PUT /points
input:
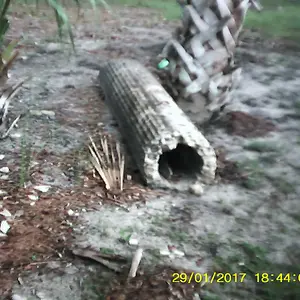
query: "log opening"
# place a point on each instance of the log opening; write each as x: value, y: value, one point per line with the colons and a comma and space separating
x: 181, y: 162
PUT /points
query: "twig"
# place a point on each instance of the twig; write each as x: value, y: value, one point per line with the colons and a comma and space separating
x: 5, y: 135
x: 107, y: 159
x: 96, y: 164
x: 93, y: 255
x: 110, y: 163
x: 44, y: 262
x: 135, y: 262
x: 121, y: 160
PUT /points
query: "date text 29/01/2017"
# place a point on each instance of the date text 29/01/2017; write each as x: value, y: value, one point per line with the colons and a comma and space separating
x: 218, y: 277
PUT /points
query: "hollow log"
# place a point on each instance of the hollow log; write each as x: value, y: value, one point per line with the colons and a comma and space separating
x: 166, y: 146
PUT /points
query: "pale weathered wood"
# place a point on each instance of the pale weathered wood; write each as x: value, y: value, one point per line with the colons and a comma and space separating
x: 152, y: 123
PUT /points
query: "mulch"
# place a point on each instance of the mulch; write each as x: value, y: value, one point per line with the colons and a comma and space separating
x: 245, y: 125
x: 240, y: 124
x: 227, y: 170
x: 44, y: 231
x: 160, y: 284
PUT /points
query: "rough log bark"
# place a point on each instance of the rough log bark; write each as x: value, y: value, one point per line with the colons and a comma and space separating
x: 166, y: 146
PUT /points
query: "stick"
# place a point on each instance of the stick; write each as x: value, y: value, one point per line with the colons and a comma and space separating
x: 10, y: 128
x: 97, y: 165
x: 135, y: 262
x: 96, y: 257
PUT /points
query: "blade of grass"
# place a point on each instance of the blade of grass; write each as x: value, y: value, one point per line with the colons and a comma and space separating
x: 4, y: 9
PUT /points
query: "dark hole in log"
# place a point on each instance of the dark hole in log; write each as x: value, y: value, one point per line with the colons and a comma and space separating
x: 181, y: 162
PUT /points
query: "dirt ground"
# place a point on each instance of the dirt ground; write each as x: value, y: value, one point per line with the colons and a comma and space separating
x: 253, y: 205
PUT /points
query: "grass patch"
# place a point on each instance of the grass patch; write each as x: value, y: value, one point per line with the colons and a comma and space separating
x: 260, y: 146
x: 96, y: 284
x: 178, y: 236
x: 107, y: 251
x: 159, y: 220
x: 285, y: 12
x: 297, y: 107
x: 269, y: 280
x: 295, y: 216
x: 126, y: 233
x: 278, y: 19
x: 283, y: 186
x: 270, y: 158
x: 253, y: 172
x: 169, y: 8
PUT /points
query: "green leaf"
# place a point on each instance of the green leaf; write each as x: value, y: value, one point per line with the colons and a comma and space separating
x: 4, y: 9
x: 104, y: 3
x: 71, y: 37
x: 93, y: 4
x: 4, y: 23
x: 8, y: 51
x: 59, y: 10
x: 61, y: 20
x: 60, y: 24
x: 78, y: 7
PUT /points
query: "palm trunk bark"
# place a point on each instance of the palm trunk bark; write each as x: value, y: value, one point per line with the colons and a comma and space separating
x: 166, y: 146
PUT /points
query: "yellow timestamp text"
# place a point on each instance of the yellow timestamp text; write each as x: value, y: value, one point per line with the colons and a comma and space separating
x: 215, y: 277
x: 277, y: 277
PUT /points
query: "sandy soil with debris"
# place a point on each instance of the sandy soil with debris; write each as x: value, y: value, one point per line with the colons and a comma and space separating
x: 257, y: 207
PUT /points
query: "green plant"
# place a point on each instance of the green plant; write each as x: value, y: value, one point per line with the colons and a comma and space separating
x: 178, y: 236
x: 107, y: 251
x: 283, y: 185
x: 126, y: 233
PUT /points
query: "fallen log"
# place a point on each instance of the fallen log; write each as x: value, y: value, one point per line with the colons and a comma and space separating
x: 166, y: 146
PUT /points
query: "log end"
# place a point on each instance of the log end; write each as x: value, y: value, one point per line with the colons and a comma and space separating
x: 181, y: 165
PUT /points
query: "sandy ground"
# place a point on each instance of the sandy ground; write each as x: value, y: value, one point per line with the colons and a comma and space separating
x: 208, y: 229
